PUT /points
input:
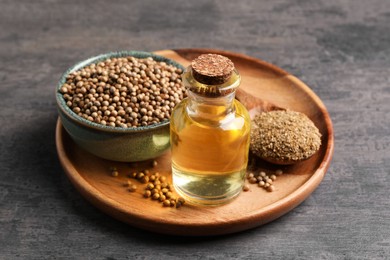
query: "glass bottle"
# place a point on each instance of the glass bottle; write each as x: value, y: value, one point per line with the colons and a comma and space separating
x: 210, y: 133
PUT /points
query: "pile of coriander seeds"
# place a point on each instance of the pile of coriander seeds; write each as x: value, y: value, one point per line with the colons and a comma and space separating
x: 156, y: 186
x: 264, y: 180
x: 124, y: 92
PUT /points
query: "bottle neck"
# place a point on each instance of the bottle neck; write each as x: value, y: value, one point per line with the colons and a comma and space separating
x: 213, y: 103
x: 211, y: 108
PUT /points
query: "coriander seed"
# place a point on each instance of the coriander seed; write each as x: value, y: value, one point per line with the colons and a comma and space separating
x: 278, y: 172
x: 147, y: 193
x: 162, y: 198
x: 150, y: 186
x: 166, y: 203
x: 169, y: 195
x: 132, y: 187
x: 144, y: 179
x: 271, y: 188
x: 155, y: 196
x: 155, y: 163
x: 140, y: 175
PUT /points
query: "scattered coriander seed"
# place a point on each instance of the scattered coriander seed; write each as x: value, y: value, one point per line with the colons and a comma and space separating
x: 132, y: 187
x: 262, y: 174
x: 144, y: 179
x: 181, y: 200
x: 156, y: 188
x: 155, y: 196
x: 162, y: 198
x: 149, y: 186
x: 250, y: 175
x: 115, y: 173
x: 154, y: 163
x: 140, y: 175
x: 166, y: 203
x: 271, y: 188
x: 147, y: 193
x: 245, y: 187
x: 252, y: 180
x: 278, y: 172
x: 261, y: 184
x: 273, y: 177
x: 169, y: 195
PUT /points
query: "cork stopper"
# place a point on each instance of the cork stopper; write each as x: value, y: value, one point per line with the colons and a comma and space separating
x: 212, y: 69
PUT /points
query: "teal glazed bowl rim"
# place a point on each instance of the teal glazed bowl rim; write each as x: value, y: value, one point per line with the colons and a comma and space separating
x: 96, y: 59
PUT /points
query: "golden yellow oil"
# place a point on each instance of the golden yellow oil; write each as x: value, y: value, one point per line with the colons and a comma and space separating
x: 209, y: 151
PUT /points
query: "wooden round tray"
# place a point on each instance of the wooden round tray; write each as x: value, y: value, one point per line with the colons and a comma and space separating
x: 91, y: 176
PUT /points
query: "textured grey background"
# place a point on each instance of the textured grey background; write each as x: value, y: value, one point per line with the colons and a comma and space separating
x: 341, y: 49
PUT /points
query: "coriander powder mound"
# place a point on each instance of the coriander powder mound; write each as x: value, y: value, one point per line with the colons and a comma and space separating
x: 284, y: 137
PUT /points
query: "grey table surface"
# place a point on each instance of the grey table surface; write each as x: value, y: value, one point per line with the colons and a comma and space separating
x: 340, y: 48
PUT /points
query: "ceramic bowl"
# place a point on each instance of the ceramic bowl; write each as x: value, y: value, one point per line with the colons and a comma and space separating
x: 114, y: 143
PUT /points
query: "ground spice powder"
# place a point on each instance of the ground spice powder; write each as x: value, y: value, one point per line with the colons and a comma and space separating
x: 284, y: 136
